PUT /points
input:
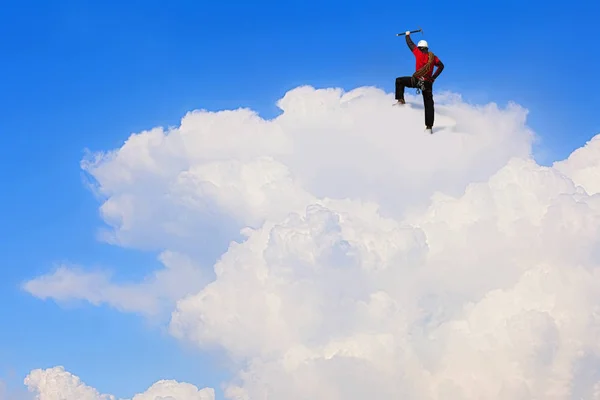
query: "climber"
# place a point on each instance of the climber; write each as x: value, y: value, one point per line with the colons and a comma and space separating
x: 422, y: 79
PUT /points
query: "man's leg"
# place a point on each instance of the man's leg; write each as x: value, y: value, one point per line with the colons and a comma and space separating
x: 429, y: 104
x: 401, y: 83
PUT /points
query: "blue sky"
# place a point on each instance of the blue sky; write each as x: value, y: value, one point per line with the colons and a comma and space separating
x: 83, y: 74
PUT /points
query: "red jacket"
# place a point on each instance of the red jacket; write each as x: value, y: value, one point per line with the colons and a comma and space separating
x: 421, y: 59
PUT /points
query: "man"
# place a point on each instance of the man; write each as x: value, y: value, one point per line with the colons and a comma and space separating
x: 422, y: 79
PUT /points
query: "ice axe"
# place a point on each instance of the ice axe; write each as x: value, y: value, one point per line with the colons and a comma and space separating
x: 404, y: 33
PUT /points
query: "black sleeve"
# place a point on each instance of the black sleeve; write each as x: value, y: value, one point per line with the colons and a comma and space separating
x: 410, y: 43
x: 440, y: 68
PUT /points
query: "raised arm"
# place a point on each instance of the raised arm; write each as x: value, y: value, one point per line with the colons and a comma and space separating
x: 409, y: 42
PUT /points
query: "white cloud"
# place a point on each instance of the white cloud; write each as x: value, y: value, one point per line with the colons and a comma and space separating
x: 58, y: 384
x: 377, y: 261
x: 173, y: 390
x: 219, y: 172
x: 583, y: 166
x: 490, y: 295
x: 152, y: 297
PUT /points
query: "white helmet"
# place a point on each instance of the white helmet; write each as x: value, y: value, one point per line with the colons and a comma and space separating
x: 422, y: 43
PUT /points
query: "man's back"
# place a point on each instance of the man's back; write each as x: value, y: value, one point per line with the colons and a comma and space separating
x: 422, y: 58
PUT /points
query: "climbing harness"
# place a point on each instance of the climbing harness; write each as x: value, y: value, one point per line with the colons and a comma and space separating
x: 419, y: 83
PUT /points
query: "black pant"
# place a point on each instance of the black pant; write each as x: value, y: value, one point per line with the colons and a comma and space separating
x: 427, y: 91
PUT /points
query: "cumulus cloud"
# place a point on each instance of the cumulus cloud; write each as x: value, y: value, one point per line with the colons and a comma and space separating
x: 489, y: 295
x: 58, y: 384
x: 375, y: 261
x: 223, y: 171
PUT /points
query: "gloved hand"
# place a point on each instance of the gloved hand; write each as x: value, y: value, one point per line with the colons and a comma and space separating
x: 407, y: 33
